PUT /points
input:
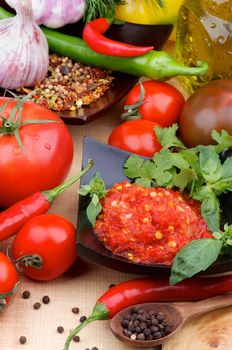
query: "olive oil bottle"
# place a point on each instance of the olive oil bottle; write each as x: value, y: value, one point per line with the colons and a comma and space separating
x: 204, y: 32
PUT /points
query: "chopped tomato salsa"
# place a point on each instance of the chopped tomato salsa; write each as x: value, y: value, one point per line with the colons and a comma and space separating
x: 148, y: 225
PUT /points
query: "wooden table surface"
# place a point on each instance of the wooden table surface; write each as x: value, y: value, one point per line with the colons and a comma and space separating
x: 84, y: 283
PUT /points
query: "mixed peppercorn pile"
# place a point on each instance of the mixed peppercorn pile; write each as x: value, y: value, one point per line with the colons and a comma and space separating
x: 69, y: 85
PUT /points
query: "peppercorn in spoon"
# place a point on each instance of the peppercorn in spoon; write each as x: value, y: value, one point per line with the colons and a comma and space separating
x: 151, y: 324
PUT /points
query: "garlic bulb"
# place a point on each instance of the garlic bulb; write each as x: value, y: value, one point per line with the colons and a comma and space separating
x: 24, y: 54
x: 56, y: 13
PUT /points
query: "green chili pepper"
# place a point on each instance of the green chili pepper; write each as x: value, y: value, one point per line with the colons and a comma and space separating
x: 157, y: 65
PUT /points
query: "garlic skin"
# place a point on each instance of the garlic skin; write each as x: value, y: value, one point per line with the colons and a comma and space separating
x: 24, y: 57
x: 56, y: 13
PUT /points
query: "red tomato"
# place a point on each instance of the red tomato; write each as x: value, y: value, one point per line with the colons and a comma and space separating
x: 8, y: 277
x: 136, y: 136
x: 162, y: 102
x: 210, y: 107
x: 50, y: 237
x: 41, y: 162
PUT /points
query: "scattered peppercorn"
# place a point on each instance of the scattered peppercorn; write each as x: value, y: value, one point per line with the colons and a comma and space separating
x: 22, y: 339
x: 142, y: 325
x: 83, y: 318
x: 111, y: 285
x: 46, y: 299
x: 94, y: 348
x: 75, y: 310
x: 60, y: 329
x: 26, y: 294
x: 76, y: 338
x: 37, y: 306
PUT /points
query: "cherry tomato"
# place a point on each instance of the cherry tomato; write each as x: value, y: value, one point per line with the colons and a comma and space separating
x: 8, y: 278
x: 210, y: 107
x: 52, y: 239
x: 42, y: 160
x: 136, y: 136
x: 162, y: 102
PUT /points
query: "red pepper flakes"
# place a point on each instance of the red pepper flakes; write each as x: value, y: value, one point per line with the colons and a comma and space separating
x: 148, y: 225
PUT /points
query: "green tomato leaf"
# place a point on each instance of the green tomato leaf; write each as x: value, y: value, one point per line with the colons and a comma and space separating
x: 194, y: 257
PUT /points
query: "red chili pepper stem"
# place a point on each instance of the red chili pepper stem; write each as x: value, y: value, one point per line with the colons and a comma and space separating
x: 55, y: 192
x: 94, y: 38
x: 100, y: 312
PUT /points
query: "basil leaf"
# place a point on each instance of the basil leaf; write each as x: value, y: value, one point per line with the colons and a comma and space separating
x: 93, y: 209
x: 194, y: 257
x: 210, y: 210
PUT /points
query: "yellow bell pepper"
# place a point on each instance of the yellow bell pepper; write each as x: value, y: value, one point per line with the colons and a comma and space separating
x: 148, y: 11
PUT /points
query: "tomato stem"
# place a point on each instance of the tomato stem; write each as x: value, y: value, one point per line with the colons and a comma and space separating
x: 133, y: 110
x: 32, y: 260
x: 4, y: 296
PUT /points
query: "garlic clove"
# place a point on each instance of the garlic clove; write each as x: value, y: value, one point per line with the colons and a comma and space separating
x: 56, y: 13
x: 24, y: 55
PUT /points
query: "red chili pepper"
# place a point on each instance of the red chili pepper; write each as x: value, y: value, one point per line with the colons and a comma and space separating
x: 13, y: 218
x: 147, y: 290
x: 92, y: 35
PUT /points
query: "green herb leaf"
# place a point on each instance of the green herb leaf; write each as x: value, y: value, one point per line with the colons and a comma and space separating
x: 194, y: 257
x: 94, y: 208
x: 100, y: 8
x: 223, y: 139
x: 210, y: 210
x: 133, y: 166
x: 167, y: 137
x: 210, y: 164
x: 96, y: 190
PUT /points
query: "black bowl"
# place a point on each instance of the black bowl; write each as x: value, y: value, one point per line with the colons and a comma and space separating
x: 109, y: 161
x: 136, y: 34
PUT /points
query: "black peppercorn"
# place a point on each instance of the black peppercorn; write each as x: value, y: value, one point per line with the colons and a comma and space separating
x: 76, y: 338
x: 26, y: 294
x: 37, y: 306
x: 22, y: 339
x: 83, y: 318
x: 60, y: 329
x: 75, y: 310
x: 46, y: 299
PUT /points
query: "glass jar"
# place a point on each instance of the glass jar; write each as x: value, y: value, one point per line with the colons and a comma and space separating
x: 204, y: 32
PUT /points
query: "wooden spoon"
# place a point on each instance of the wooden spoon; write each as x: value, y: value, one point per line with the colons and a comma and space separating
x: 177, y: 314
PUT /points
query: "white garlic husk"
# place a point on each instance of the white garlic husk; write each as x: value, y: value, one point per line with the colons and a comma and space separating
x: 56, y: 13
x: 24, y: 54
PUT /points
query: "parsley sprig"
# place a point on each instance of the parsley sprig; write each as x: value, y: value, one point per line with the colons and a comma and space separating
x: 197, y: 170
